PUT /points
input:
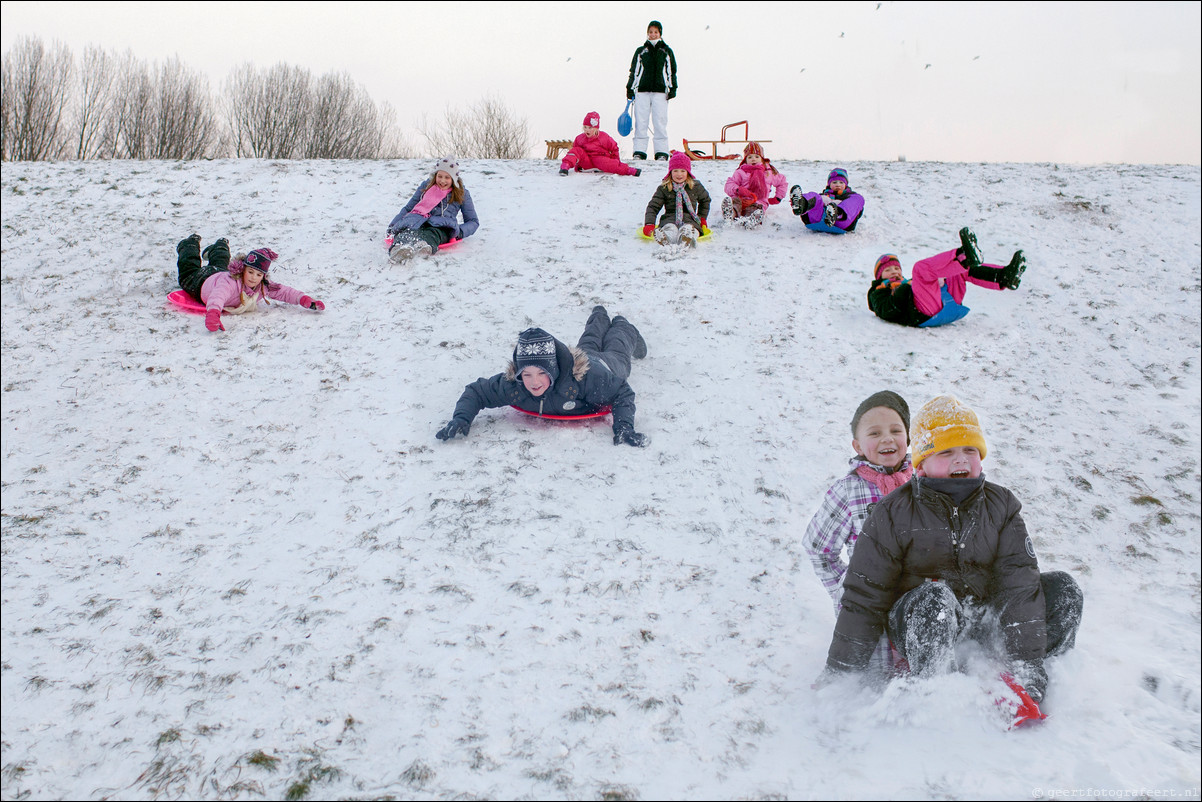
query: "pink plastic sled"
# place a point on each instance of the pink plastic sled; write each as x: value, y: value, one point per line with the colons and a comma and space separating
x: 600, y: 413
x: 388, y: 243
x: 187, y: 303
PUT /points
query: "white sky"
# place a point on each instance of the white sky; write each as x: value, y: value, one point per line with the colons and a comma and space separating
x: 1044, y: 82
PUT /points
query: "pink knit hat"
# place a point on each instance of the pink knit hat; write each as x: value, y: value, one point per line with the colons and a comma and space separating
x: 679, y: 161
x: 592, y: 120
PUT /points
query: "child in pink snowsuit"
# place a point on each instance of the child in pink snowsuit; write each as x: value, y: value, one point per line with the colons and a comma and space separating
x: 935, y: 296
x: 755, y: 186
x: 595, y: 149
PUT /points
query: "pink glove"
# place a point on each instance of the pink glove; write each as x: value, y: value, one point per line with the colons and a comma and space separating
x: 213, y: 320
x: 312, y: 303
x: 703, y: 225
x: 774, y: 201
x: 745, y: 193
x: 648, y: 230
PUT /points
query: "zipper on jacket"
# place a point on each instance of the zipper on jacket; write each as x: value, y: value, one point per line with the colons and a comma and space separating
x: 540, y: 405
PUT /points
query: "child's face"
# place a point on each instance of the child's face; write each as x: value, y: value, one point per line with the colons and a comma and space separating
x: 679, y: 175
x: 443, y: 179
x: 590, y: 131
x: 892, y: 272
x: 838, y: 186
x: 754, y: 158
x: 252, y: 277
x: 881, y: 437
x: 537, y: 381
x: 961, y: 462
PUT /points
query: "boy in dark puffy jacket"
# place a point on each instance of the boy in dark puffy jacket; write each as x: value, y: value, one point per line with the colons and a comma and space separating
x: 546, y: 377
x: 947, y: 557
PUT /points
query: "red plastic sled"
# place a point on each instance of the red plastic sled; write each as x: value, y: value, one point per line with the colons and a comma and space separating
x: 600, y: 413
x: 187, y: 303
x: 1027, y: 710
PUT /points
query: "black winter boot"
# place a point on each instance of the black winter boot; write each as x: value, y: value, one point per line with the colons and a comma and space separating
x: 968, y: 247
x: 638, y: 154
x: 661, y: 156
x: 1012, y: 274
x: 194, y: 239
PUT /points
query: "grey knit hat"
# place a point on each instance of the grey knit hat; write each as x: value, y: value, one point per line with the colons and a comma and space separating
x: 887, y: 399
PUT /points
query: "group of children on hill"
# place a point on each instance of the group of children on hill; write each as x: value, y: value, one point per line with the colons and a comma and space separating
x: 919, y: 554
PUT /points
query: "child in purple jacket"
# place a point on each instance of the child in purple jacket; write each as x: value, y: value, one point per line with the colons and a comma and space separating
x: 836, y: 207
x: 234, y: 286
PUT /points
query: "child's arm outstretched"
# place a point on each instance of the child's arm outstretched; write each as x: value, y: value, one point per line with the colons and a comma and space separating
x: 289, y: 295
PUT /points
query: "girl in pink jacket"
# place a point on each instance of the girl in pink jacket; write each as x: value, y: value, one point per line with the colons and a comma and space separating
x: 595, y: 149
x: 234, y: 286
x: 754, y: 187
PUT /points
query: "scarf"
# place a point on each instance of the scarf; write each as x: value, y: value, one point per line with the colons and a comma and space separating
x: 432, y: 197
x: 756, y: 180
x: 683, y: 201
x: 885, y: 482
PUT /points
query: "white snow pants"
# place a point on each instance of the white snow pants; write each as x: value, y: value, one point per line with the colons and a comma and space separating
x: 651, y: 107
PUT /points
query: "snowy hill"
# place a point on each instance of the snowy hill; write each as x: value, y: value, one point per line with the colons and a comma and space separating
x: 240, y: 565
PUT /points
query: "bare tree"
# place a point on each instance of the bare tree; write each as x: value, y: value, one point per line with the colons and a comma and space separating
x: 132, y: 134
x: 94, y: 100
x: 488, y: 130
x: 185, y: 125
x: 268, y: 110
x: 344, y: 122
x: 36, y: 87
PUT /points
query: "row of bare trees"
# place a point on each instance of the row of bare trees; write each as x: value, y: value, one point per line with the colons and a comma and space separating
x: 110, y: 106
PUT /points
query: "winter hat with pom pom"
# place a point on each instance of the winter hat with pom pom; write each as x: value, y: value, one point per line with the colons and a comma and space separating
x: 944, y: 423
x: 679, y: 161
x: 838, y: 174
x: 448, y: 165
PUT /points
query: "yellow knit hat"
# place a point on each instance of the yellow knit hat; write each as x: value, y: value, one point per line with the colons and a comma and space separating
x: 944, y: 423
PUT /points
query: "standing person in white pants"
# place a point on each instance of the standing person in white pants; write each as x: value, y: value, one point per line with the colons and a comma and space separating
x: 651, y: 85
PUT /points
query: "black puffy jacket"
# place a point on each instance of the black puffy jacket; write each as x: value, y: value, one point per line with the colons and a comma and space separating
x: 979, y: 548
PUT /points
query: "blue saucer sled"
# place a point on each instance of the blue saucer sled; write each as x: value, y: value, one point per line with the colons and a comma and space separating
x: 825, y: 229
x: 950, y: 313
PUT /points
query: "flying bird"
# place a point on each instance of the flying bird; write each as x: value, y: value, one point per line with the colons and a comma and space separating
x: 842, y: 35
x: 878, y: 6
x: 976, y: 58
x: 927, y: 67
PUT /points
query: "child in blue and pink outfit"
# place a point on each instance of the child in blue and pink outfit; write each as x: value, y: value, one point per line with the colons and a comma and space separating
x: 880, y: 436
x: 233, y: 286
x: 836, y: 209
x: 595, y: 149
x: 936, y: 294
x: 431, y: 217
x: 755, y: 186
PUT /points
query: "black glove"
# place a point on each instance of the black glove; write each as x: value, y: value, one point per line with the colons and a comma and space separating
x: 1034, y: 678
x: 453, y: 428
x: 627, y: 434
x: 672, y: 94
x: 630, y: 94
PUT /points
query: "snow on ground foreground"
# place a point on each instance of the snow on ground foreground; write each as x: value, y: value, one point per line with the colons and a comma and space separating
x: 240, y: 565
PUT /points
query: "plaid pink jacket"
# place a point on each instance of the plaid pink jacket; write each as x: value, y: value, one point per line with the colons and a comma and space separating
x: 838, y: 523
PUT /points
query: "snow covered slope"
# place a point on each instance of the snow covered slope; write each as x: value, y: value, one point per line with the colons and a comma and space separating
x: 240, y: 564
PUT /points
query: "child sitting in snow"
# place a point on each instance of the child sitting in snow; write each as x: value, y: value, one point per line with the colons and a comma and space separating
x: 431, y: 217
x: 755, y: 186
x: 595, y: 149
x: 880, y: 429
x: 947, y: 558
x: 234, y: 286
x: 936, y: 294
x: 836, y: 207
x: 546, y: 377
x: 685, y: 203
